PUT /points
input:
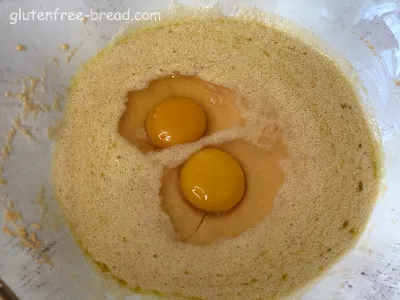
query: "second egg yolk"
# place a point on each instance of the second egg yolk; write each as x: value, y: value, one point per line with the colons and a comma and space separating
x: 212, y: 180
x: 176, y: 121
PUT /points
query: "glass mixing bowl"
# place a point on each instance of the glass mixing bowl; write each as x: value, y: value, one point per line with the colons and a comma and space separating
x: 365, y: 32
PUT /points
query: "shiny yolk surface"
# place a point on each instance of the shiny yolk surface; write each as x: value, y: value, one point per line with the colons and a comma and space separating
x: 175, y: 121
x: 212, y: 180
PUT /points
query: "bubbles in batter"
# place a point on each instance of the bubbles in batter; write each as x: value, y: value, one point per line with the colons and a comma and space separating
x: 283, y: 110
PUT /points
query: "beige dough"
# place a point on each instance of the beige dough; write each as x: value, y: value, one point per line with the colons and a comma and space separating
x: 286, y: 92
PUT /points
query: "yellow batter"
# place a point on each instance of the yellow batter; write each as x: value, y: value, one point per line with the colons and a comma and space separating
x: 281, y: 108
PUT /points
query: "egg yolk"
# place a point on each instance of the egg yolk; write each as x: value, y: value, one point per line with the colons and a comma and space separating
x: 212, y: 180
x: 175, y: 121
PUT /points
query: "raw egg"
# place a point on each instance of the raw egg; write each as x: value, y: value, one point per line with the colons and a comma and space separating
x: 176, y: 121
x: 212, y: 180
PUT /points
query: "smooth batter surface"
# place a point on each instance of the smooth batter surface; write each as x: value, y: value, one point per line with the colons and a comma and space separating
x: 109, y: 189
